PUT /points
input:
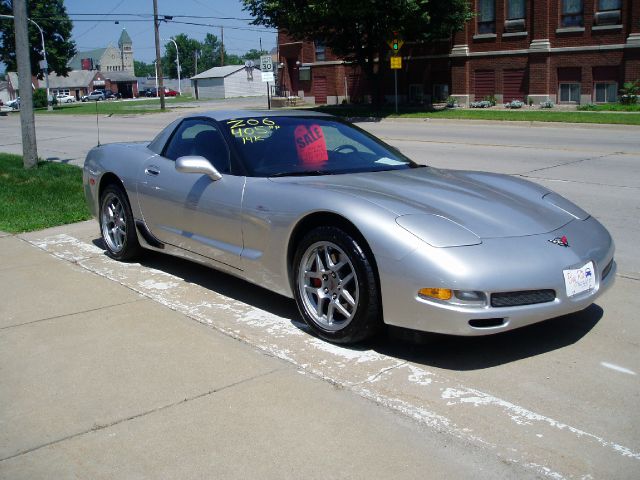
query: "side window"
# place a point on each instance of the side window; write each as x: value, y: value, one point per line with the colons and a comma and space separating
x: 199, y: 137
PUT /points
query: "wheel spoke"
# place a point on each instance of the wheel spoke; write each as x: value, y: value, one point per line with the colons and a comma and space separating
x: 319, y: 305
x: 319, y: 265
x: 342, y: 310
x: 327, y: 256
x: 330, y: 310
x: 347, y: 296
x: 347, y: 279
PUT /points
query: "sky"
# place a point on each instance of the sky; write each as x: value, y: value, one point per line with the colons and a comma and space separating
x: 97, y: 31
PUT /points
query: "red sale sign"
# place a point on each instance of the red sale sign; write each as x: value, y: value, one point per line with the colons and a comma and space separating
x: 311, y: 146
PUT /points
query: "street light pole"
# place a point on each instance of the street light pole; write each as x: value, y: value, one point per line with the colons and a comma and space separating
x: 178, y: 62
x: 44, y: 65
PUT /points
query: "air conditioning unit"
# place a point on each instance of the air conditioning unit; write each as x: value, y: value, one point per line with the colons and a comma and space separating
x: 611, y: 17
x: 514, y: 25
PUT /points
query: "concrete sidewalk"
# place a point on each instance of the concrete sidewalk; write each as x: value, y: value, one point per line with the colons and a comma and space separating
x: 97, y: 381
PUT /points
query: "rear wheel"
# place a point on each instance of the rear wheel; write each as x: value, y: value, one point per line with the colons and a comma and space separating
x: 335, y: 286
x: 116, y: 224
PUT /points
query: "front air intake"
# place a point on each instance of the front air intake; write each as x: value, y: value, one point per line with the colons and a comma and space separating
x: 528, y: 297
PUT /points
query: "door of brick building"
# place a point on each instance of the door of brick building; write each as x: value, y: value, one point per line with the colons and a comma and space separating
x: 485, y: 83
x: 320, y: 89
x: 514, y: 85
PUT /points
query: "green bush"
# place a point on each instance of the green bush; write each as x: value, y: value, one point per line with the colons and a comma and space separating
x: 40, y: 98
x: 491, y: 99
x: 630, y: 92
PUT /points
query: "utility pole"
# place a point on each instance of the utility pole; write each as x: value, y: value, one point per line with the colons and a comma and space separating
x: 222, y: 46
x: 27, y: 120
x: 156, y: 26
x: 195, y: 56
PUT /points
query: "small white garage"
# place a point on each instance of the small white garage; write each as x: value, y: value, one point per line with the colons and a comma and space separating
x: 228, y: 82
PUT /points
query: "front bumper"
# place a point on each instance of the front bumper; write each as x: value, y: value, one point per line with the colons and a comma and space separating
x: 497, y: 265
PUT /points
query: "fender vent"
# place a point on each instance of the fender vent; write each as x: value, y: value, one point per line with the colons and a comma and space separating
x: 528, y: 297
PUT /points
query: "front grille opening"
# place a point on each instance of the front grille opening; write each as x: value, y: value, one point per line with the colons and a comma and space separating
x: 527, y: 297
x: 607, y: 269
x: 486, y: 322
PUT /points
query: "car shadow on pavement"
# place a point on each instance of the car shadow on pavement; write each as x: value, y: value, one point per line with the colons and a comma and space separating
x: 222, y: 283
x: 475, y: 353
x: 428, y: 349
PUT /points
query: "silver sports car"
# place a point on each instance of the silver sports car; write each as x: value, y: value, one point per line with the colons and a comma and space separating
x: 314, y: 208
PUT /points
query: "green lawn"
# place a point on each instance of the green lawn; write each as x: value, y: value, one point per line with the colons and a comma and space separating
x: 117, y: 107
x: 39, y: 198
x: 525, y: 115
x: 610, y: 107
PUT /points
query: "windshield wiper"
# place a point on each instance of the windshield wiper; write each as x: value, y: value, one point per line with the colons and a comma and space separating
x: 306, y: 173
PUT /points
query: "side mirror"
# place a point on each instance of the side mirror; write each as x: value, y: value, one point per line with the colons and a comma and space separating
x: 197, y: 164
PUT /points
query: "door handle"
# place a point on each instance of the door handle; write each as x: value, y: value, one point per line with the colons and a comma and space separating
x: 152, y: 170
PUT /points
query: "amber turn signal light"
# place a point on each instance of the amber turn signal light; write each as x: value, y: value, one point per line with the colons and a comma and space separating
x: 438, y: 293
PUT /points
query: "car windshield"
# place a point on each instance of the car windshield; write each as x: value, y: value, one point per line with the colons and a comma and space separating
x: 294, y: 146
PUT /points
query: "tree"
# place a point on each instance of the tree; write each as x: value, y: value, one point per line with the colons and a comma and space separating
x: 358, y: 31
x: 52, y: 17
x: 187, y: 48
x: 254, y: 54
x: 232, y: 59
x: 141, y: 69
x: 209, y: 53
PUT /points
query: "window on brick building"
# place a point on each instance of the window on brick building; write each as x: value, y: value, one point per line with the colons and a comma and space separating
x: 416, y: 93
x: 440, y: 92
x: 572, y: 13
x: 605, y: 92
x: 608, y: 12
x: 516, y: 9
x: 320, y: 51
x: 570, y: 92
x: 516, y: 13
x: 486, y: 16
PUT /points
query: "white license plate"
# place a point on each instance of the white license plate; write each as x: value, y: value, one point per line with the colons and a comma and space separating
x: 580, y: 279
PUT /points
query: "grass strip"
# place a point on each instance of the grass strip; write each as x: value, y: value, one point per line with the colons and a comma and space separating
x: 38, y: 198
x: 488, y: 114
x: 116, y: 107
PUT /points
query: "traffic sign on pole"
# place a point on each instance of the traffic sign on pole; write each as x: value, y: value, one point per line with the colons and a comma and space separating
x: 266, y: 63
x: 396, y: 62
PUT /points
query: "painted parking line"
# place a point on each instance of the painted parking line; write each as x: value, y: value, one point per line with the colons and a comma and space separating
x: 432, y: 397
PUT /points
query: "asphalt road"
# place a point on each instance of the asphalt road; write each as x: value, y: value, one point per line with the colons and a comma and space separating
x: 559, y: 398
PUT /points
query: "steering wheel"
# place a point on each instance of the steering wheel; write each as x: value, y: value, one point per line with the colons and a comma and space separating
x: 341, y: 148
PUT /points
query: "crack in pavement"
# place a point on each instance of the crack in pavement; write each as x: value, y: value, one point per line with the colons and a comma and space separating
x: 377, y: 375
x: 572, y: 162
x: 97, y: 428
x: 72, y: 314
x: 561, y: 180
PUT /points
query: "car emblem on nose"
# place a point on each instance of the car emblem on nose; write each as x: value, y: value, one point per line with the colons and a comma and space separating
x: 561, y: 241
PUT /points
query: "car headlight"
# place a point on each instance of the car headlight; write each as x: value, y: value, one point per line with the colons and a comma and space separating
x: 469, y: 298
x: 438, y: 231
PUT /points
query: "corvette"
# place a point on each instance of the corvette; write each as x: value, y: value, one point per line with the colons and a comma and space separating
x: 314, y: 208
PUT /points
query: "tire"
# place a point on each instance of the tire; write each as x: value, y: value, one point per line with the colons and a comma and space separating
x: 117, y: 227
x: 335, y: 286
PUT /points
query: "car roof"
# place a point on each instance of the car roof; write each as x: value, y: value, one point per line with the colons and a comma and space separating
x: 221, y: 115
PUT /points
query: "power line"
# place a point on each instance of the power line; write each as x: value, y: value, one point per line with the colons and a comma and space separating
x: 148, y: 15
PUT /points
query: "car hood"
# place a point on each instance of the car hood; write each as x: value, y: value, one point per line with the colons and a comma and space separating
x: 489, y: 205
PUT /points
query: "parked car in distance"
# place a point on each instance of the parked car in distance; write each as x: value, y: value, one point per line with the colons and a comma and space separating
x: 62, y: 98
x: 14, y: 104
x: 96, y: 95
x: 153, y: 92
x: 110, y: 94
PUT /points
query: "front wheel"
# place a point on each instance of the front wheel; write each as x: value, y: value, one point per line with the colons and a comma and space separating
x: 335, y: 286
x: 117, y: 225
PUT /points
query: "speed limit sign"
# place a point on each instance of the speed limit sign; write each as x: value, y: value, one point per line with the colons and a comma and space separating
x: 266, y: 63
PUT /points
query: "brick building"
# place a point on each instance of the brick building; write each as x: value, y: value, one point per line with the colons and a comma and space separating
x: 568, y: 51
